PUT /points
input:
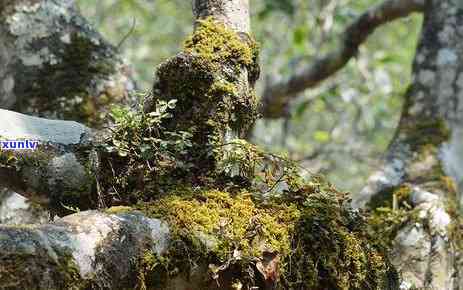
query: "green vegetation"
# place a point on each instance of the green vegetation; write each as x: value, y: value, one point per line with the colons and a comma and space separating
x: 316, y: 239
x: 230, y: 205
x: 207, y: 76
x: 360, y: 105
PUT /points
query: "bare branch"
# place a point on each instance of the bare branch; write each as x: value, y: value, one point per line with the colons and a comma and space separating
x: 277, y: 95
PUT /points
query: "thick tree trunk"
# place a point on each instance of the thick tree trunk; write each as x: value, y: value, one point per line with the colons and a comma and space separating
x: 425, y: 161
x: 210, y: 239
x: 53, y: 64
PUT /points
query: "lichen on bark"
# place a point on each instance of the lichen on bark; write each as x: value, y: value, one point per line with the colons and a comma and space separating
x: 56, y: 65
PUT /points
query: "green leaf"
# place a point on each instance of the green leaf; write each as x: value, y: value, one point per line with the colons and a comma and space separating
x: 321, y: 136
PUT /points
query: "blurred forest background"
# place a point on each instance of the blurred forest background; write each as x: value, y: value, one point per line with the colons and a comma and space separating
x: 342, y: 127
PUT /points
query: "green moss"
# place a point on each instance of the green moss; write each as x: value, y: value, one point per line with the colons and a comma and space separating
x: 228, y: 219
x: 200, y: 96
x: 119, y: 209
x: 219, y: 44
x: 206, y: 80
x: 333, y: 250
x: 17, y: 273
x: 24, y: 158
x: 421, y: 132
x: 319, y: 243
x: 174, y: 163
x: 385, y: 223
x: 152, y: 272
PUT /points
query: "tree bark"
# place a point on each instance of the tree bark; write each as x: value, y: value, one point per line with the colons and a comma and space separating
x: 425, y: 156
x: 107, y: 251
x: 53, y: 64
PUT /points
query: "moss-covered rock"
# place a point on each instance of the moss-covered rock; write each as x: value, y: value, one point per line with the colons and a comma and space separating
x: 20, y: 270
x: 308, y: 240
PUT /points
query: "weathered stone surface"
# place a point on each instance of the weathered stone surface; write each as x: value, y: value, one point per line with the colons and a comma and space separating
x: 88, y: 249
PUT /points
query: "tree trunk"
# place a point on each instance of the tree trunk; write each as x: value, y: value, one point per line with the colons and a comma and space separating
x: 423, y: 166
x: 53, y: 64
x: 198, y: 237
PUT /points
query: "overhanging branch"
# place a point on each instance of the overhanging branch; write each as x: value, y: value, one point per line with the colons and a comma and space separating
x: 277, y: 95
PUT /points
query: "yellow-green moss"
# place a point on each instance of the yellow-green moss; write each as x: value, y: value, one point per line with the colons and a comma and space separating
x: 333, y: 250
x: 207, y: 81
x: 227, y: 220
x: 119, y: 209
x: 319, y: 242
x: 385, y: 223
x: 454, y: 209
x: 218, y: 218
x: 218, y: 44
x: 421, y: 132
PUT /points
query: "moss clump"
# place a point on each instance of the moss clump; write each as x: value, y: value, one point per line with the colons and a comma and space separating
x: 332, y: 248
x: 317, y: 240
x: 208, y: 79
x: 227, y: 220
x: 219, y: 45
x: 203, y: 87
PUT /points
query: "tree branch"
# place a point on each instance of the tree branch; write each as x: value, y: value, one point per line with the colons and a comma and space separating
x: 277, y: 95
x: 88, y: 248
x: 420, y: 181
x: 58, y: 169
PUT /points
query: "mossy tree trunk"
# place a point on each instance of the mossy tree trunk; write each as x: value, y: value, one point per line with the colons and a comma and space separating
x: 423, y: 171
x: 197, y: 237
x: 212, y: 81
x: 53, y: 64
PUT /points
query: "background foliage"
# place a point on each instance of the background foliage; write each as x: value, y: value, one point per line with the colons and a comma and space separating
x: 340, y: 128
